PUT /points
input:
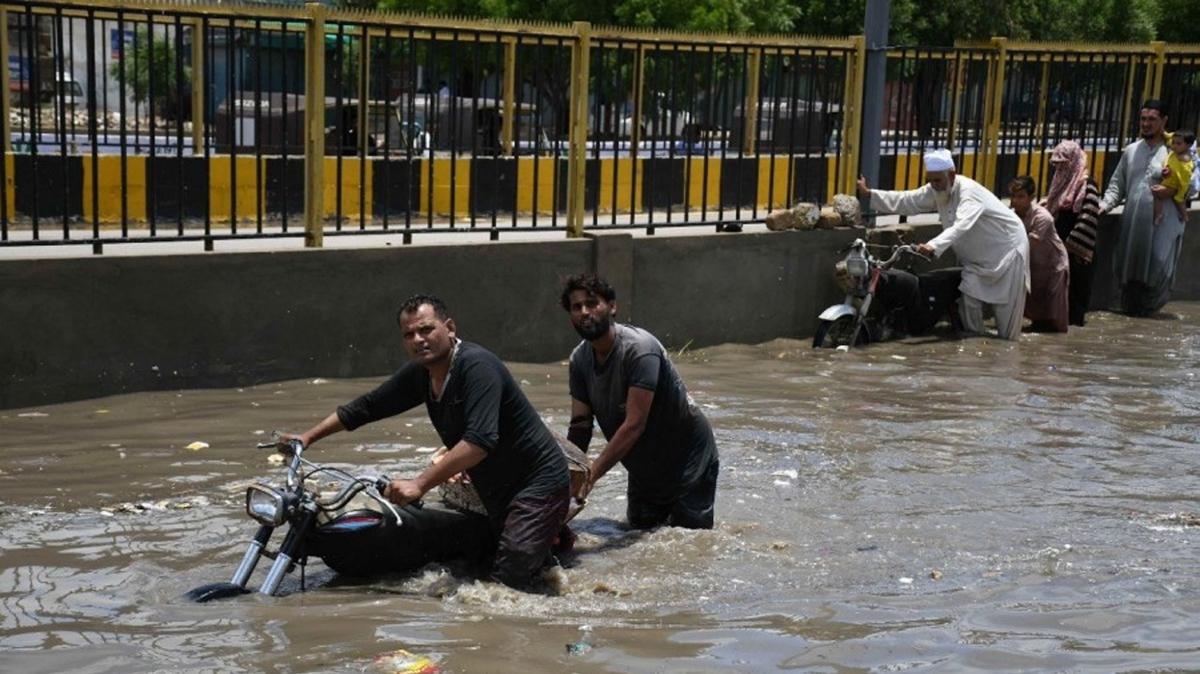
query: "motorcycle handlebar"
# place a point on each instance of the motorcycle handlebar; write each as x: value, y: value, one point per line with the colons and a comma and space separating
x: 906, y: 248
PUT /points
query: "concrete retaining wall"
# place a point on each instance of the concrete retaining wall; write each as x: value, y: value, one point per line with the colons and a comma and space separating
x: 81, y: 328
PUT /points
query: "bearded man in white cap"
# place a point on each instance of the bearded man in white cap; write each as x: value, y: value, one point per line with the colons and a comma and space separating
x: 987, y: 237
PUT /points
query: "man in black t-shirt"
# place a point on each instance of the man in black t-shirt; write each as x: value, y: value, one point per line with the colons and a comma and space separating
x: 621, y: 376
x: 493, y: 433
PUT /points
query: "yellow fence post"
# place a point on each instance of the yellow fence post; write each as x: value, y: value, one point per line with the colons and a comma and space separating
x: 989, y: 149
x: 508, y: 114
x: 1043, y: 98
x: 1160, y: 64
x: 577, y: 150
x: 198, y: 87
x: 960, y: 73
x: 856, y: 62
x: 639, y: 74
x: 314, y: 124
x: 750, y: 107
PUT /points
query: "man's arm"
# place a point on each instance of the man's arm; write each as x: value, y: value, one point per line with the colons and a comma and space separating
x: 464, y: 455
x: 326, y: 427
x: 580, y: 430
x: 969, y: 211
x: 1115, y: 193
x: 907, y: 202
x: 637, y: 410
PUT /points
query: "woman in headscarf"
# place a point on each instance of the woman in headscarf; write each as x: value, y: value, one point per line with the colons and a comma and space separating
x: 1074, y: 201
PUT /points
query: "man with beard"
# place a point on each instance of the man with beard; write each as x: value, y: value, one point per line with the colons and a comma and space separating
x: 988, y: 239
x: 621, y: 376
x: 1146, y: 253
x: 493, y: 433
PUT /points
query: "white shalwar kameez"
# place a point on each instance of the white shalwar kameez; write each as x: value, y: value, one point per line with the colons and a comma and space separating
x: 989, y: 241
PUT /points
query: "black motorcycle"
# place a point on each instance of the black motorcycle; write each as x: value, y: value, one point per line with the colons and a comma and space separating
x: 357, y: 542
x: 885, y: 303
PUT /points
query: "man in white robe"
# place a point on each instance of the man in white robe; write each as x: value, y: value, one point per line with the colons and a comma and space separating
x: 1145, y: 257
x: 987, y: 237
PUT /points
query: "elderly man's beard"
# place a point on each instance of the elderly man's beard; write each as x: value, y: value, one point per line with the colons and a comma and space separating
x: 590, y: 329
x: 942, y: 197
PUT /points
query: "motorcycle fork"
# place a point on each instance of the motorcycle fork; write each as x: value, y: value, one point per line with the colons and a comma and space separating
x: 865, y: 306
x: 249, y: 560
x: 287, y: 551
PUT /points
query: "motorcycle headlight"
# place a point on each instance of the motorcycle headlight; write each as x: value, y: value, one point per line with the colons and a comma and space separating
x: 265, y: 504
x: 856, y: 265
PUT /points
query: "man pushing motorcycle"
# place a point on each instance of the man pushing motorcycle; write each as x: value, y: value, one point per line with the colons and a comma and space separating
x: 988, y: 239
x: 492, y: 432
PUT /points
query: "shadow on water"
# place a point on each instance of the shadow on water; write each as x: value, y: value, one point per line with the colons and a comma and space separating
x: 930, y: 505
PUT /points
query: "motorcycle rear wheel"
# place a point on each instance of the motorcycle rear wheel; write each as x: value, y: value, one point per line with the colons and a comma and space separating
x: 838, y: 332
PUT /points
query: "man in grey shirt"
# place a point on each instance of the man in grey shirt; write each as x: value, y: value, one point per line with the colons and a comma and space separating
x: 621, y: 377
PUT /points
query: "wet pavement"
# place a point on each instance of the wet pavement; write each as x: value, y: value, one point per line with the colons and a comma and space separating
x: 932, y: 506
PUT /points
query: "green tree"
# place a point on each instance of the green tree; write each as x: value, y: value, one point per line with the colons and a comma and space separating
x: 149, y: 66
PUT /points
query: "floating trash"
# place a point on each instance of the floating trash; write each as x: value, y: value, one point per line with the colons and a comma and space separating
x: 33, y: 415
x: 401, y: 661
x: 584, y: 645
x: 904, y: 580
x: 197, y: 445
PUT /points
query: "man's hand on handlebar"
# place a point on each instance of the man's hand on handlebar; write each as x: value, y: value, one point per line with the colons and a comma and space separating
x: 403, y: 492
x: 925, y: 250
x: 284, y: 443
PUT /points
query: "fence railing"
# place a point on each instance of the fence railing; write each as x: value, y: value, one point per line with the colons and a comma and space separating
x: 151, y: 120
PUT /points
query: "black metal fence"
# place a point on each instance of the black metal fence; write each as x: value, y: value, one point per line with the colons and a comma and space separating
x: 195, y: 122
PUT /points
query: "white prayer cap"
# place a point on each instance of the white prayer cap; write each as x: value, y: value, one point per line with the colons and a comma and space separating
x: 939, y: 160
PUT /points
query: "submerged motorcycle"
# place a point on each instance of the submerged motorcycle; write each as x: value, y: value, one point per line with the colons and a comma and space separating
x: 353, y: 541
x: 884, y: 303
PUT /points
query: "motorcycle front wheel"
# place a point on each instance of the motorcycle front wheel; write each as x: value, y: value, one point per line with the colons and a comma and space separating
x: 838, y: 332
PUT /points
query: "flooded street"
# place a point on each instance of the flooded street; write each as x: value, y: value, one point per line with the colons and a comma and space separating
x: 936, y: 506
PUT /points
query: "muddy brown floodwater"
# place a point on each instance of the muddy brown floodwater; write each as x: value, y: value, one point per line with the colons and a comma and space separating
x: 933, y: 506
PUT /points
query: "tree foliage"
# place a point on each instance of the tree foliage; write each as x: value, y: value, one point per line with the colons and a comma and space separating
x: 150, y: 67
x: 913, y: 22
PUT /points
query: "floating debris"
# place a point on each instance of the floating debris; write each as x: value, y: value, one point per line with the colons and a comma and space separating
x: 899, y: 357
x: 276, y: 459
x: 139, y: 508
x: 33, y: 415
x: 1179, y: 519
x: 780, y: 545
x: 905, y: 580
x: 935, y: 574
x: 197, y: 446
x: 584, y: 645
x: 319, y: 380
x: 401, y: 661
